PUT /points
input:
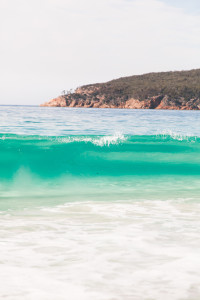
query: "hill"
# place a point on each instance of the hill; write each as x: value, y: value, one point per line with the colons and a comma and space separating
x: 165, y: 90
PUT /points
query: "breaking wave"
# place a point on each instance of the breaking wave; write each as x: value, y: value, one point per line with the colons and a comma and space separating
x: 99, y: 155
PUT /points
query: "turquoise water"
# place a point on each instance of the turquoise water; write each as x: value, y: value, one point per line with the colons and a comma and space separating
x: 76, y: 166
x: 99, y: 203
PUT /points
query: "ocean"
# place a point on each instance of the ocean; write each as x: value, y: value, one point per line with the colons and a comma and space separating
x: 99, y: 204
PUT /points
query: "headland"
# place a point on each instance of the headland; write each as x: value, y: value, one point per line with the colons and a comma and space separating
x: 165, y: 90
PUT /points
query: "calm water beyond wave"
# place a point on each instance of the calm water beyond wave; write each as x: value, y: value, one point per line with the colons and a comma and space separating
x: 99, y: 204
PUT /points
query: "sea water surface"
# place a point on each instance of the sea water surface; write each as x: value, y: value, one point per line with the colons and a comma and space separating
x: 99, y: 204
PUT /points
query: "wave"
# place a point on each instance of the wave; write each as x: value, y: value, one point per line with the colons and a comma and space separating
x: 36, y: 170
x: 117, y: 155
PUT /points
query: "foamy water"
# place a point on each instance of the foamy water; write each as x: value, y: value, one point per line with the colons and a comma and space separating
x: 132, y: 250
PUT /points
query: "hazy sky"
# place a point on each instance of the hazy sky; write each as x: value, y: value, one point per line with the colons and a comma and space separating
x: 50, y: 45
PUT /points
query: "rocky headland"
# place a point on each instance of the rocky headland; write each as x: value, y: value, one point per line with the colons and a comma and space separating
x: 166, y: 90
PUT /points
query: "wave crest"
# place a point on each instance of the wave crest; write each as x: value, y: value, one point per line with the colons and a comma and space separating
x: 97, y: 140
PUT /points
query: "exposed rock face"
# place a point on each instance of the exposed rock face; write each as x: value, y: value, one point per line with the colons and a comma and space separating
x: 57, y: 102
x: 143, y: 104
x: 83, y: 98
x: 181, y: 103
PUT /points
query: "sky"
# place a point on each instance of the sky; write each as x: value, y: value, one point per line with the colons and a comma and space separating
x: 47, y: 46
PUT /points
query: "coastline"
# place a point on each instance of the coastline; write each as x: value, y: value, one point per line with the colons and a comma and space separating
x: 155, y: 102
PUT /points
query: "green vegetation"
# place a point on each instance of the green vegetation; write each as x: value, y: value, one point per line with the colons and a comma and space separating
x: 176, y: 85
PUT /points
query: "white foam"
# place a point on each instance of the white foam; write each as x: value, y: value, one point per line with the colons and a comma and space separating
x: 98, y: 141
x: 178, y: 136
x: 118, y: 250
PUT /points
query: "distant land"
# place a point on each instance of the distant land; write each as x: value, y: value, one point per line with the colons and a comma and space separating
x: 165, y: 90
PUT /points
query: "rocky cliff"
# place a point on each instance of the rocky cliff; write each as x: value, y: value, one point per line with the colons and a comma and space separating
x: 166, y: 90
